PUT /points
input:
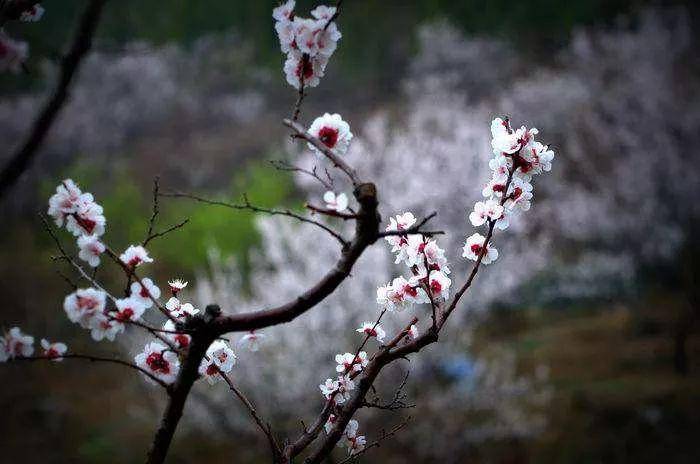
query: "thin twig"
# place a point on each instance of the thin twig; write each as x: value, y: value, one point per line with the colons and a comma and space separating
x: 152, y: 221
x: 257, y: 209
x: 375, y: 444
x: 284, y: 166
x: 330, y: 212
x: 262, y: 425
x: 414, y: 229
x: 165, y: 232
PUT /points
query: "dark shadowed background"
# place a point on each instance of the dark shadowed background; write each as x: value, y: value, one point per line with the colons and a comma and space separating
x: 581, y: 344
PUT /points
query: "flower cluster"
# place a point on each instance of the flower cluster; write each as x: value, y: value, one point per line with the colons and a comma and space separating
x: 17, y: 345
x: 517, y: 157
x: 219, y: 359
x: 354, y: 442
x: 81, y: 216
x: 106, y: 316
x: 307, y: 42
x: 429, y: 281
x: 338, y: 390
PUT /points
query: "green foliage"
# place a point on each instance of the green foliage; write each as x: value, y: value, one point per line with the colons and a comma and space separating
x: 128, y: 208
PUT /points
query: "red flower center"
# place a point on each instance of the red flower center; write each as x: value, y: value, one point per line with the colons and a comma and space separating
x: 435, y: 286
x: 329, y: 136
x: 87, y: 224
x: 125, y: 315
x: 476, y: 249
x: 86, y: 303
x: 212, y: 369
x: 410, y: 290
x: 157, y: 364
x: 305, y: 68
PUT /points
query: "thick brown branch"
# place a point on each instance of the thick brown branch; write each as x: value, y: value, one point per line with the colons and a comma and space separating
x: 365, y: 234
x: 189, y: 372
x: 330, y: 212
x: 82, y: 42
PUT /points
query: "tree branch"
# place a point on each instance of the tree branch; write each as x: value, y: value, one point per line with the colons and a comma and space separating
x: 301, y: 133
x: 262, y: 425
x: 257, y: 209
x: 23, y: 157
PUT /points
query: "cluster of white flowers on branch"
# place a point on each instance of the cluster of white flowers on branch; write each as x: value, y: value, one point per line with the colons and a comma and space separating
x: 308, y: 42
x: 190, y: 344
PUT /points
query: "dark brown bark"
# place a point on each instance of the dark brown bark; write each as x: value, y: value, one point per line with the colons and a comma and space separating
x: 366, y: 233
x: 189, y: 372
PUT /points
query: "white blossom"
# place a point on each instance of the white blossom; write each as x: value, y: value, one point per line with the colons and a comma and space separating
x: 299, y: 66
x: 345, y: 386
x: 330, y: 423
x: 90, y: 249
x: 180, y: 310
x: 219, y: 358
x: 176, y: 286
x: 32, y: 14
x: 85, y: 307
x: 102, y: 327
x: 332, y: 131
x: 53, y: 351
x: 128, y: 309
x: 145, y: 293
x: 284, y: 11
x: 484, y: 211
x: 373, y: 330
x: 348, y: 363
x: 16, y: 344
x: 181, y: 340
x: 328, y: 388
x: 251, y: 340
x: 159, y: 361
x: 473, y: 246
x: 335, y: 202
x: 134, y: 256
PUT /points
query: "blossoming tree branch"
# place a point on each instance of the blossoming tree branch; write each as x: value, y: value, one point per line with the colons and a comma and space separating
x: 188, y: 345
